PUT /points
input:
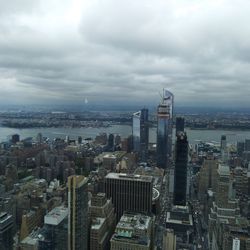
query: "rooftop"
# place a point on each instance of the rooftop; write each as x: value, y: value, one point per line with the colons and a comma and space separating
x: 97, y: 223
x: 180, y: 215
x: 223, y: 170
x: 33, y: 238
x: 129, y: 177
x: 134, y: 228
x: 133, y: 222
x: 56, y: 216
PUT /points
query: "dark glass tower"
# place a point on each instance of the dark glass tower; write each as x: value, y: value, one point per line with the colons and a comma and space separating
x: 140, y: 133
x: 180, y: 178
x: 111, y: 142
x: 78, y: 212
x: 164, y: 130
x: 6, y: 231
x: 180, y: 124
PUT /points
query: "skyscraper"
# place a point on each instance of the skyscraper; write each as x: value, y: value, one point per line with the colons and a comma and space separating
x: 131, y: 193
x: 111, y: 142
x: 225, y: 208
x: 247, y: 145
x: 102, y: 216
x: 179, y: 125
x: 78, y: 213
x: 140, y: 133
x: 6, y: 227
x: 56, y: 224
x: 223, y: 142
x: 164, y: 129
x: 181, y: 160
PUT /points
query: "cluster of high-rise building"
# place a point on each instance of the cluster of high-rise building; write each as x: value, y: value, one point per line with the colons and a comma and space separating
x: 126, y: 193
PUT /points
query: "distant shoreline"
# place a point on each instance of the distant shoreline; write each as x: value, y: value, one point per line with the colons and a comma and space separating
x: 221, y: 128
x: 27, y: 126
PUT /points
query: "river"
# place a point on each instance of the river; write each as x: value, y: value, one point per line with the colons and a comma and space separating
x: 123, y: 131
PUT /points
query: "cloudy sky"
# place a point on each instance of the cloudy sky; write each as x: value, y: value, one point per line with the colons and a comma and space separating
x: 118, y: 51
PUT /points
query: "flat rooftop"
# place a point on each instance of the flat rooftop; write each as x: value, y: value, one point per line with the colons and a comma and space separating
x: 179, y: 217
x: 97, y: 223
x: 133, y: 222
x: 56, y: 216
x: 132, y: 177
x: 223, y: 170
x: 133, y: 228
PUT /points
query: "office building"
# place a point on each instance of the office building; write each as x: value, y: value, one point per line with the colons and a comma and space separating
x: 180, y: 220
x: 39, y: 138
x: 164, y: 130
x: 111, y: 142
x: 118, y: 140
x: 179, y: 125
x: 224, y: 150
x: 247, y: 145
x: 207, y: 176
x: 225, y: 208
x: 134, y: 232
x: 241, y: 182
x: 169, y: 239
x: 103, y: 222
x: 140, y: 133
x: 57, y: 224
x: 31, y: 242
x: 6, y: 231
x: 240, y: 148
x: 180, y: 178
x: 15, y: 138
x: 207, y: 183
x: 78, y: 213
x: 30, y: 220
x: 223, y: 142
x: 131, y: 193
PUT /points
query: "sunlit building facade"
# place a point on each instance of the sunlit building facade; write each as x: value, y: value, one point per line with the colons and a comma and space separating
x: 164, y: 129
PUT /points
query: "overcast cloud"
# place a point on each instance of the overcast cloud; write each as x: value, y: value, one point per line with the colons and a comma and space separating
x: 55, y: 51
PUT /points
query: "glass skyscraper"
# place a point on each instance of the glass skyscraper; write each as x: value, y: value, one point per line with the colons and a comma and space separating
x: 78, y: 212
x: 164, y: 129
x: 181, y: 161
x: 140, y: 133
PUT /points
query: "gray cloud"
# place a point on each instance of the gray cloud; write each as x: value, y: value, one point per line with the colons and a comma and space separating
x: 125, y: 51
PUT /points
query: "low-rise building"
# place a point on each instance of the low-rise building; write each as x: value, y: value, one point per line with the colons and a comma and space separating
x: 134, y: 232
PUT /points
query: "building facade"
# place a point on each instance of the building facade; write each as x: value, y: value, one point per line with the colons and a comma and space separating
x: 131, y: 193
x: 179, y: 125
x: 6, y: 231
x: 140, y: 133
x: 78, y: 213
x: 180, y: 177
x: 164, y: 130
x: 102, y: 217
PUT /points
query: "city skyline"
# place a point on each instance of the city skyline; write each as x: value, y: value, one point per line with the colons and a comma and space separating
x: 91, y: 52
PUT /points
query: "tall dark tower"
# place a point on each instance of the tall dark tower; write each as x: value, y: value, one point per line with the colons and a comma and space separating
x: 6, y: 231
x: 181, y: 161
x: 223, y: 142
x: 179, y: 125
x: 78, y: 212
x: 164, y: 130
x: 140, y: 133
x: 111, y: 142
